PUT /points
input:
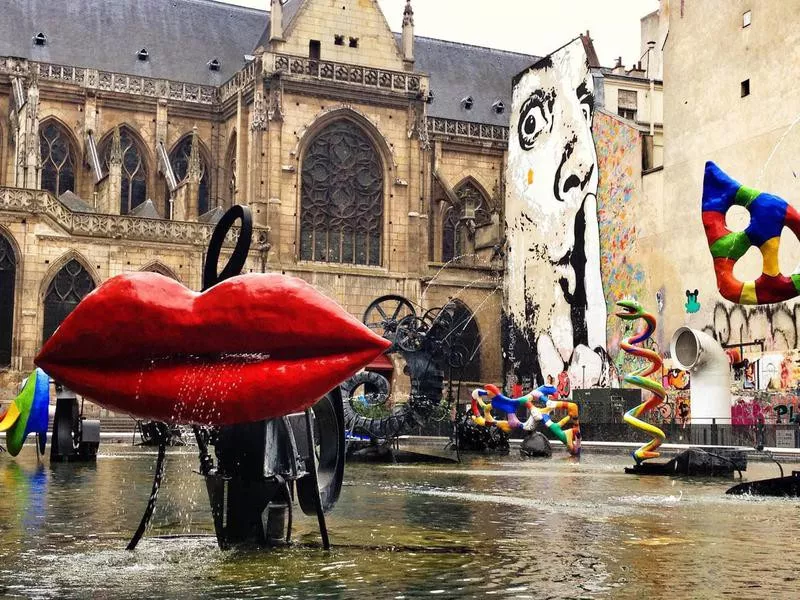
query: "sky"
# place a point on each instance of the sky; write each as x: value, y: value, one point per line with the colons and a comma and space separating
x: 530, y: 26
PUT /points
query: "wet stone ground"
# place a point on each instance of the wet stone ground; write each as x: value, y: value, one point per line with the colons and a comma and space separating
x: 489, y: 527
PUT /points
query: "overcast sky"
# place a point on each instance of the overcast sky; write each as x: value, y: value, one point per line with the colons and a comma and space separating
x: 531, y: 26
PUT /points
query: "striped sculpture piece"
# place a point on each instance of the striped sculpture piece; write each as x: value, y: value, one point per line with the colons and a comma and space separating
x: 632, y: 311
x: 769, y: 214
x: 539, y: 406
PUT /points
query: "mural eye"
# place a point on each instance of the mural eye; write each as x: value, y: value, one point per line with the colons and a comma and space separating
x: 532, y: 121
x: 587, y: 105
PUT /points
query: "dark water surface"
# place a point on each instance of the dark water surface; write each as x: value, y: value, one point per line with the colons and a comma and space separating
x: 490, y: 527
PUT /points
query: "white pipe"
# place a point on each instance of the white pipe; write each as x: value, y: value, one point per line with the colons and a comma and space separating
x: 708, y: 364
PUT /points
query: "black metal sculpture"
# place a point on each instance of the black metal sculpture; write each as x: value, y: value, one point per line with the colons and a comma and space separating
x: 75, y: 438
x: 431, y: 346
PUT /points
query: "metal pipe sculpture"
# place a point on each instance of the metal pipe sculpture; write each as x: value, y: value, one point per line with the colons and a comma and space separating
x: 28, y: 413
x: 769, y: 214
x: 489, y: 398
x: 632, y: 311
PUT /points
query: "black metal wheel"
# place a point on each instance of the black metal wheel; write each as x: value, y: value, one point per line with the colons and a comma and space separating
x: 410, y: 334
x: 384, y: 314
x: 328, y: 433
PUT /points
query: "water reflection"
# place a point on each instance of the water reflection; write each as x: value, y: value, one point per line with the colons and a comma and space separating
x: 492, y: 526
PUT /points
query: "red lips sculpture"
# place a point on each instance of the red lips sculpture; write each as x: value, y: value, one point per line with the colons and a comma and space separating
x: 252, y: 347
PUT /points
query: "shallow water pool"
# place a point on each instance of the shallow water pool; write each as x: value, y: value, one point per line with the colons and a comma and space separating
x: 498, y: 526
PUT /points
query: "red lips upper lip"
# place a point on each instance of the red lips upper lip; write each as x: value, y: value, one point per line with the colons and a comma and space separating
x: 251, y: 347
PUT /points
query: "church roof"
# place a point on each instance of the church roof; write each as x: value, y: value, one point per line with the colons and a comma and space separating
x: 460, y: 71
x: 182, y: 36
x: 146, y: 210
x: 75, y: 203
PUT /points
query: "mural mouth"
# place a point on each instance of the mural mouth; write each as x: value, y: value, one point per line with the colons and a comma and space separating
x: 250, y: 348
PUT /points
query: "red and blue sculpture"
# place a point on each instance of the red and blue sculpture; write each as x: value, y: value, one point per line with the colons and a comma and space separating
x: 769, y: 214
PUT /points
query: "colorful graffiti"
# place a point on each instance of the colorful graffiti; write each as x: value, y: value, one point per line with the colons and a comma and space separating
x: 554, y: 308
x: 692, y: 305
x: 618, y: 150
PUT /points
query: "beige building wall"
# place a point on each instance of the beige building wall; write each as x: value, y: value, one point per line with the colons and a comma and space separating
x: 753, y: 138
x: 362, y: 20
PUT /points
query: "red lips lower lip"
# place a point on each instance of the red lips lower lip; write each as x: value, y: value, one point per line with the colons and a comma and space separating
x: 250, y: 348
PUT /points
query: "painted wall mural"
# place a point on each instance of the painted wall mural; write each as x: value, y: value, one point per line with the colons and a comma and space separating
x: 619, y: 159
x: 554, y: 308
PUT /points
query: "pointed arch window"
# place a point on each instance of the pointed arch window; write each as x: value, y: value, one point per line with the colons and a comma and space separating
x: 342, y: 197
x: 68, y: 287
x: 179, y: 158
x: 58, y: 159
x: 465, y: 343
x: 230, y: 171
x: 458, y: 225
x: 8, y: 275
x: 133, y: 170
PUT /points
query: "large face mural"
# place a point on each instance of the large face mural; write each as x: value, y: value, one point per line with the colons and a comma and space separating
x: 555, y: 312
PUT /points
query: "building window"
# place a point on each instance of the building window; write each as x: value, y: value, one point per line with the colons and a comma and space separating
x: 338, y: 40
x: 230, y: 171
x: 745, y: 88
x: 213, y: 64
x: 464, y: 342
x: 314, y: 49
x: 353, y: 42
x: 134, y: 171
x: 40, y: 39
x: 179, y: 158
x: 341, y: 197
x: 627, y: 104
x: 58, y: 159
x: 67, y: 288
x: 747, y: 19
x: 458, y: 226
x: 143, y: 54
x: 8, y: 278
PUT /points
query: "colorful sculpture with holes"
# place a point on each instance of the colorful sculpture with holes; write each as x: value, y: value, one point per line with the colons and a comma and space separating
x: 632, y: 311
x: 28, y: 413
x: 539, y: 406
x: 769, y: 215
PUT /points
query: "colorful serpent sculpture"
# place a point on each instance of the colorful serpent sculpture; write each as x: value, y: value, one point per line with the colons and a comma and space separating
x: 632, y: 311
x: 490, y: 397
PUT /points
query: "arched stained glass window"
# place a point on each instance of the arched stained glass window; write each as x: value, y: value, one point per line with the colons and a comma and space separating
x: 134, y: 170
x: 342, y: 197
x: 8, y: 273
x: 58, y: 159
x: 179, y: 158
x: 67, y: 288
x: 457, y: 228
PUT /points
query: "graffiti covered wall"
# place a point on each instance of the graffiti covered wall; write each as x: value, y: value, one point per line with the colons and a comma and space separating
x: 554, y: 307
x: 619, y: 198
